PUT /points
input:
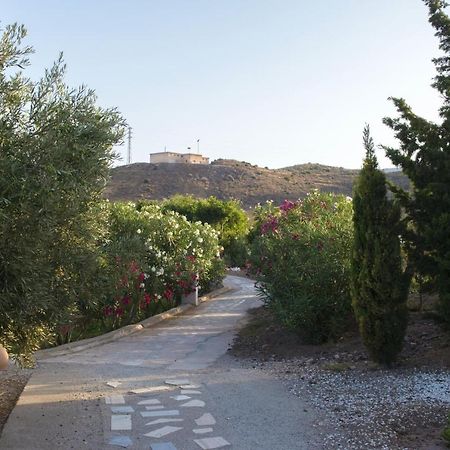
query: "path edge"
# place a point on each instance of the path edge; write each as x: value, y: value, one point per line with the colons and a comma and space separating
x: 84, y: 344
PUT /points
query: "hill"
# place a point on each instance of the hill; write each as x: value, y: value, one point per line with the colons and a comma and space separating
x: 230, y: 179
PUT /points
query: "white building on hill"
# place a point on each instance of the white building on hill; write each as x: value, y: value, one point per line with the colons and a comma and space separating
x: 173, y: 157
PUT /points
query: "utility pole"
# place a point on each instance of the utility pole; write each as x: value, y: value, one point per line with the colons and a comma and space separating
x: 129, y: 146
x: 198, y: 146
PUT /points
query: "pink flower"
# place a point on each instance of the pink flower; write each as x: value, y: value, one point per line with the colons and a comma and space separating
x: 286, y: 206
x: 168, y: 294
x: 126, y: 300
x: 119, y: 312
x: 270, y: 225
x: 147, y: 299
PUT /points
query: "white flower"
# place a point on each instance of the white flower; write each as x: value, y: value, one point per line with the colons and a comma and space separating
x: 349, y: 199
x: 139, y: 231
x: 200, y: 240
x: 142, y: 285
x: 153, y: 269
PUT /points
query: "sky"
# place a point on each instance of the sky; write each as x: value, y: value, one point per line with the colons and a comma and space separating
x: 271, y: 82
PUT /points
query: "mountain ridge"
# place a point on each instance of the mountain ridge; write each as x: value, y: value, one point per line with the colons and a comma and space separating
x: 225, y: 179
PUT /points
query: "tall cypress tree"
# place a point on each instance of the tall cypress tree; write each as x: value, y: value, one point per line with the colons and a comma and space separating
x: 424, y: 156
x: 379, y: 284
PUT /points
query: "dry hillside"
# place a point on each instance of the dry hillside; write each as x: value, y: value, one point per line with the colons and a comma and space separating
x: 229, y: 179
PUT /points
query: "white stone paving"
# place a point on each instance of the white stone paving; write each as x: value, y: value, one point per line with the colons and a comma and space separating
x: 113, y: 384
x: 158, y: 421
x: 189, y: 392
x: 202, y: 430
x: 212, y: 442
x: 120, y: 441
x: 121, y: 422
x: 167, y: 412
x: 178, y: 398
x: 194, y: 403
x: 115, y: 400
x: 148, y: 390
x: 205, y: 420
x: 150, y: 401
x: 164, y: 431
x: 190, y: 386
x: 122, y: 409
x: 177, y: 382
x: 163, y: 446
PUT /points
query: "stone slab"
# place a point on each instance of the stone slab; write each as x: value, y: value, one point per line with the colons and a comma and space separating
x: 164, y: 431
x: 121, y: 422
x: 167, y: 412
x: 212, y: 443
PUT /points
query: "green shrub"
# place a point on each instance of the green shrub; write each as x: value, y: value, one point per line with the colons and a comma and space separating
x: 380, y: 286
x: 301, y: 259
x: 152, y: 259
x: 225, y: 216
x: 446, y: 432
x: 55, y: 154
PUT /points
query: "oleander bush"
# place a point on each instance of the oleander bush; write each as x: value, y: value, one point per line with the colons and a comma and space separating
x: 300, y: 256
x: 149, y: 260
x: 226, y: 216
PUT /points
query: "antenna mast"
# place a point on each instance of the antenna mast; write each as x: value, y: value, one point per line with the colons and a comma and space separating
x: 129, y: 146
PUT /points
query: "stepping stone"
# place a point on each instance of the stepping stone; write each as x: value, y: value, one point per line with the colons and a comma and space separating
x: 151, y: 401
x: 211, y: 443
x: 194, y: 403
x: 178, y: 382
x: 148, y: 390
x: 122, y: 409
x: 167, y: 412
x: 202, y: 430
x: 178, y: 398
x: 115, y: 400
x: 189, y: 392
x: 205, y: 420
x: 190, y: 386
x: 164, y: 431
x: 113, y: 384
x: 163, y: 446
x: 157, y: 421
x: 152, y: 408
x: 120, y: 441
x: 121, y: 422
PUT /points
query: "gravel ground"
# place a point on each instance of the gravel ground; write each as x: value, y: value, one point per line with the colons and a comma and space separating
x: 360, y: 405
x: 368, y: 408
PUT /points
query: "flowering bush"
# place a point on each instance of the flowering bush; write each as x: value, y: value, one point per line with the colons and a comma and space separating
x: 301, y: 258
x: 226, y: 216
x: 153, y: 258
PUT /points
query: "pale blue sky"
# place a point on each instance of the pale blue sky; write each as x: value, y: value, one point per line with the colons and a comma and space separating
x: 271, y: 82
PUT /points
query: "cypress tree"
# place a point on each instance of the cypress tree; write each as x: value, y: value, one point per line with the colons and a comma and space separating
x: 424, y: 156
x: 379, y: 284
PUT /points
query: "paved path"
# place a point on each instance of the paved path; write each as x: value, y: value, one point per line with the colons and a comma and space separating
x: 170, y: 387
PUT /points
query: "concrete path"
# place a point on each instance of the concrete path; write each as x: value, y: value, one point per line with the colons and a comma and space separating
x: 165, y: 388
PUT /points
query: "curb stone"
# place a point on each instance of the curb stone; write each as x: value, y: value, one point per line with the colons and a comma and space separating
x: 84, y: 344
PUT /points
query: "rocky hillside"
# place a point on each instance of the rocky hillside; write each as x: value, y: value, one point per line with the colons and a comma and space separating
x: 230, y: 179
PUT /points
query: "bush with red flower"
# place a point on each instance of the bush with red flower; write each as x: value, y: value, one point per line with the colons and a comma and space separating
x: 154, y: 258
x: 301, y: 259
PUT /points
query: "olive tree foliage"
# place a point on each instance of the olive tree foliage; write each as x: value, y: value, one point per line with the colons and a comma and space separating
x: 56, y: 148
